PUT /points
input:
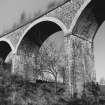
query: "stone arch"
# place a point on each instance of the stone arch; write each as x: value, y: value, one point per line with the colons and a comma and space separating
x: 83, y: 29
x: 47, y: 19
x: 31, y: 41
x: 6, y: 48
x: 77, y: 15
x: 88, y: 19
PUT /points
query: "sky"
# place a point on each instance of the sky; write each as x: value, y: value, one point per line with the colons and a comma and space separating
x: 53, y: 39
x: 11, y: 10
x: 99, y: 51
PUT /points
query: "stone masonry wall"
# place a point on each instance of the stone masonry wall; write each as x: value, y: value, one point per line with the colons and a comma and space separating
x: 80, y: 59
x: 65, y: 14
x: 81, y: 63
x: 86, y: 25
x: 24, y: 60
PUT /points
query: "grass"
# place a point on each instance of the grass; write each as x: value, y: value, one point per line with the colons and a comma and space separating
x: 14, y: 90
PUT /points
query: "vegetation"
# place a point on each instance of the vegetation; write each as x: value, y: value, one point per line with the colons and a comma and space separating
x: 51, y: 61
x: 15, y: 90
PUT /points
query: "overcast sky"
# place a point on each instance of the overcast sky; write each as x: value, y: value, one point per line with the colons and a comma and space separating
x: 11, y: 10
x: 99, y: 45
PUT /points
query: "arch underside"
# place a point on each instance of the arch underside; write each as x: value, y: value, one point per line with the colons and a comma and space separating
x: 5, y: 49
x: 90, y: 20
x: 81, y: 40
x: 27, y: 51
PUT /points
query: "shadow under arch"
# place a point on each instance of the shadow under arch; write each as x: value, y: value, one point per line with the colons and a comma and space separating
x: 48, y: 20
x: 5, y: 49
x: 90, y: 17
x: 30, y: 43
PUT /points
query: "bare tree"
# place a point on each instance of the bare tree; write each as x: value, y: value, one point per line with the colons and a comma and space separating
x: 49, y: 59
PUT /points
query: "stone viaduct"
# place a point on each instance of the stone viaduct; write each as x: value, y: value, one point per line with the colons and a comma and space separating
x: 79, y: 20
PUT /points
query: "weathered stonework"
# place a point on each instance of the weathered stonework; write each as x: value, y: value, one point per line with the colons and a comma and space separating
x: 65, y: 14
x: 68, y: 67
x: 86, y: 25
x: 80, y: 57
x: 15, y: 36
x: 82, y: 64
x: 24, y: 59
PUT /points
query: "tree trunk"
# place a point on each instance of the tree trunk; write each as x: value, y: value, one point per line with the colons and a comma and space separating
x: 56, y: 83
